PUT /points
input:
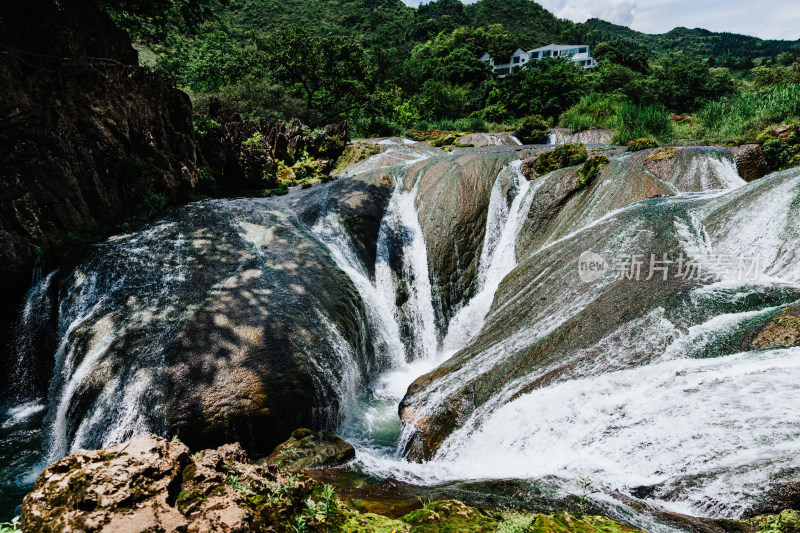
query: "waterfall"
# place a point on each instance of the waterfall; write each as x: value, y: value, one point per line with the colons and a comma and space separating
x: 128, y: 286
x: 498, y: 256
x: 36, y: 314
x: 401, y: 272
x: 384, y: 329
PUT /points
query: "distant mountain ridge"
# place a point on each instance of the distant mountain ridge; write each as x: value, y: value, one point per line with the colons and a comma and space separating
x: 697, y: 41
x: 392, y: 23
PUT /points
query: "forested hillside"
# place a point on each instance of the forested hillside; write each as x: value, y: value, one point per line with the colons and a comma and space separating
x: 390, y: 69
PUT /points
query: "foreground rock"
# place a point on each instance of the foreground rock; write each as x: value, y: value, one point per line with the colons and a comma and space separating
x: 309, y: 449
x: 152, y: 485
x: 782, y: 330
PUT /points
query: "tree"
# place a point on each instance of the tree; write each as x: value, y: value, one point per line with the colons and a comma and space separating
x: 622, y: 53
x: 547, y: 87
x: 684, y: 83
x: 333, y: 74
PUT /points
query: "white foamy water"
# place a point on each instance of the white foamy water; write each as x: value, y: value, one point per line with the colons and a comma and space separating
x: 22, y: 412
x: 400, y: 233
x: 723, y: 423
x: 498, y: 256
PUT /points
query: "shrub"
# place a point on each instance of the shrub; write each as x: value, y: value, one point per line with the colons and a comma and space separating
x: 589, y: 171
x: 532, y: 129
x: 564, y: 156
x: 779, y: 155
x: 494, y: 113
x: 636, y: 122
x: 642, y: 144
x: 254, y: 143
x: 407, y: 114
x: 204, y: 125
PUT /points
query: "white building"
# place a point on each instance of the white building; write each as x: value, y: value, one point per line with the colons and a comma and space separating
x: 579, y: 53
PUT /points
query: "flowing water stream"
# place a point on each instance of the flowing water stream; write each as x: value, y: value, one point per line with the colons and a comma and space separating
x: 699, y: 426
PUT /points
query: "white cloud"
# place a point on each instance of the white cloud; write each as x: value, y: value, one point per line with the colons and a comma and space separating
x: 768, y: 19
x: 616, y: 11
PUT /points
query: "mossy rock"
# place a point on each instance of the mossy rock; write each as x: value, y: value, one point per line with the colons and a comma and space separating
x: 308, y: 449
x: 661, y: 154
x: 786, y: 522
x: 450, y: 516
x: 286, y: 175
x: 566, y: 523
x: 372, y: 523
x: 564, y: 156
x: 782, y: 330
x: 644, y: 143
x: 589, y: 171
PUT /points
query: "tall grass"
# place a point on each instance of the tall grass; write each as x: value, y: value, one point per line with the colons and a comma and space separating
x: 742, y: 117
x: 595, y: 110
x: 472, y: 124
x: 636, y: 122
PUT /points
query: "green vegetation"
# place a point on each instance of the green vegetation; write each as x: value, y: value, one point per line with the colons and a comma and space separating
x: 595, y: 110
x: 742, y: 117
x: 786, y: 522
x: 644, y: 143
x: 589, y: 171
x: 393, y: 70
x: 564, y: 156
x: 585, y: 490
x: 636, y: 122
x: 10, y: 527
x: 532, y: 130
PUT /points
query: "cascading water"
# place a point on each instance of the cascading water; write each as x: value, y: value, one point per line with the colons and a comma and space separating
x: 498, y: 256
x: 663, y: 404
x: 401, y: 273
x: 35, y: 316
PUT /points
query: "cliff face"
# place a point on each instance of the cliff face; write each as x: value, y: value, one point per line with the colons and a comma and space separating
x: 84, y: 145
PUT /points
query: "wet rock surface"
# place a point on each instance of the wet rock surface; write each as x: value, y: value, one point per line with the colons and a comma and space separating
x: 782, y: 330
x: 750, y: 161
x: 312, y: 449
x: 452, y: 206
x: 226, y: 321
x: 550, y: 331
x: 567, y: 136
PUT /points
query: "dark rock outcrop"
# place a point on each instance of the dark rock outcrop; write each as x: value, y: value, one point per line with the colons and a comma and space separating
x: 244, y: 154
x: 750, y: 161
x: 309, y: 449
x: 84, y: 148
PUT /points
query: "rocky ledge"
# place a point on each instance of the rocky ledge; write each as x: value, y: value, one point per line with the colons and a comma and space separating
x: 150, y: 484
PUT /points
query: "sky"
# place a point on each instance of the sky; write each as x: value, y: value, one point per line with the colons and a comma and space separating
x: 768, y: 19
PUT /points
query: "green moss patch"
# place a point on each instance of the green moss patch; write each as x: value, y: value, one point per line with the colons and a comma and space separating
x: 589, y: 171
x: 644, y: 143
x: 564, y: 156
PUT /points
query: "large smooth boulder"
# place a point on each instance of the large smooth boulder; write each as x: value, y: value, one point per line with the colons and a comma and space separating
x: 226, y: 321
